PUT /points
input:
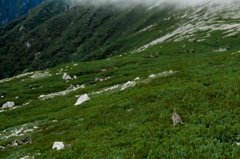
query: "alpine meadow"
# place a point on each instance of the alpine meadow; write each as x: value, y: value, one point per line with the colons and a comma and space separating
x: 118, y: 79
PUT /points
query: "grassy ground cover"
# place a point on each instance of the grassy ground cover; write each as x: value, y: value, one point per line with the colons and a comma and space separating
x: 204, y: 89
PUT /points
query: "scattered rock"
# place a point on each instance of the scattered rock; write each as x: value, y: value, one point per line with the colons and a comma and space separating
x: 58, y: 145
x: 4, y: 131
x: 221, y: 50
x: 75, y: 64
x: 35, y: 127
x: 2, y: 96
x: 128, y: 84
x: 66, y: 76
x: 71, y: 88
x: 1, y: 147
x: 54, y: 120
x: 22, y: 141
x: 82, y: 99
x: 39, y: 74
x: 75, y: 77
x: 8, y: 105
x: 152, y: 76
x: 29, y: 130
x: 136, y: 79
x: 105, y: 69
x: 16, y: 97
x: 25, y: 157
x: 238, y: 143
x: 129, y: 110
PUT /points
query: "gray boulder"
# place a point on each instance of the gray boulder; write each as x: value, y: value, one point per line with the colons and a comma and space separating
x: 82, y: 99
x: 58, y: 145
x: 8, y: 105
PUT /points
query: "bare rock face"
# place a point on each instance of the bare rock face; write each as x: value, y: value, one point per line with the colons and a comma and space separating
x: 82, y: 99
x: 8, y: 105
x: 66, y: 76
x: 58, y: 145
x: 128, y: 84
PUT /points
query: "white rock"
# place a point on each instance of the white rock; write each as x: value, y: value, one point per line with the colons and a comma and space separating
x: 29, y: 130
x: 41, y: 96
x: 16, y: 97
x: 18, y: 131
x: 66, y: 76
x: 128, y: 84
x: 2, y: 96
x: 8, y: 105
x: 152, y: 76
x: 82, y: 99
x: 15, y: 144
x: 75, y: 64
x: 75, y: 77
x: 54, y: 120
x: 21, y: 135
x: 40, y: 74
x: 1, y: 147
x: 25, y: 157
x: 35, y: 127
x: 238, y: 143
x: 58, y: 145
x: 136, y: 79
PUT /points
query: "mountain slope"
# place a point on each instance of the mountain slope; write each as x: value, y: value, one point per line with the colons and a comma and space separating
x: 188, y: 59
x: 12, y: 9
x: 71, y: 36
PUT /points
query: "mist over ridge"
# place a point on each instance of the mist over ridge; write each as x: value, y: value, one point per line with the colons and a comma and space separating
x: 155, y: 2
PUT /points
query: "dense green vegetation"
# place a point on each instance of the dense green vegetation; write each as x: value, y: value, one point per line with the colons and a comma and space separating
x: 131, y: 123
x: 54, y: 36
x: 204, y: 90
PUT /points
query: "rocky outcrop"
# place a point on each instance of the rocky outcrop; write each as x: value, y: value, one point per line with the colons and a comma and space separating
x: 128, y: 84
x: 40, y: 74
x: 8, y: 105
x: 82, y: 99
x: 58, y: 145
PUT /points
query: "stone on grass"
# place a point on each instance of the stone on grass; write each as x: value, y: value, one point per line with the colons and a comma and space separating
x: 152, y: 76
x: 35, y: 127
x: 82, y: 99
x: 128, y: 84
x: 29, y: 130
x: 136, y: 79
x: 25, y: 157
x: 8, y: 105
x: 58, y: 145
x: 66, y: 76
x: 1, y: 147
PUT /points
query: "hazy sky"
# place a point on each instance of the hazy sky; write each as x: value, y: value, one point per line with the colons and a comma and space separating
x: 159, y: 1
x: 154, y: 2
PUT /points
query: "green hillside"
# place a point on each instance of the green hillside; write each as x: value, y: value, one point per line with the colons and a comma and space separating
x: 51, y: 35
x: 187, y: 59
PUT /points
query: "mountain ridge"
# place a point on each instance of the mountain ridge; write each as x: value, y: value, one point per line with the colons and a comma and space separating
x: 172, y: 56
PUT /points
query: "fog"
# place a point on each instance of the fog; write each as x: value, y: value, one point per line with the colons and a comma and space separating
x: 151, y: 2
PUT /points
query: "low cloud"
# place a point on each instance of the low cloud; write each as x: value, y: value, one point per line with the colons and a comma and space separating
x: 150, y: 2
